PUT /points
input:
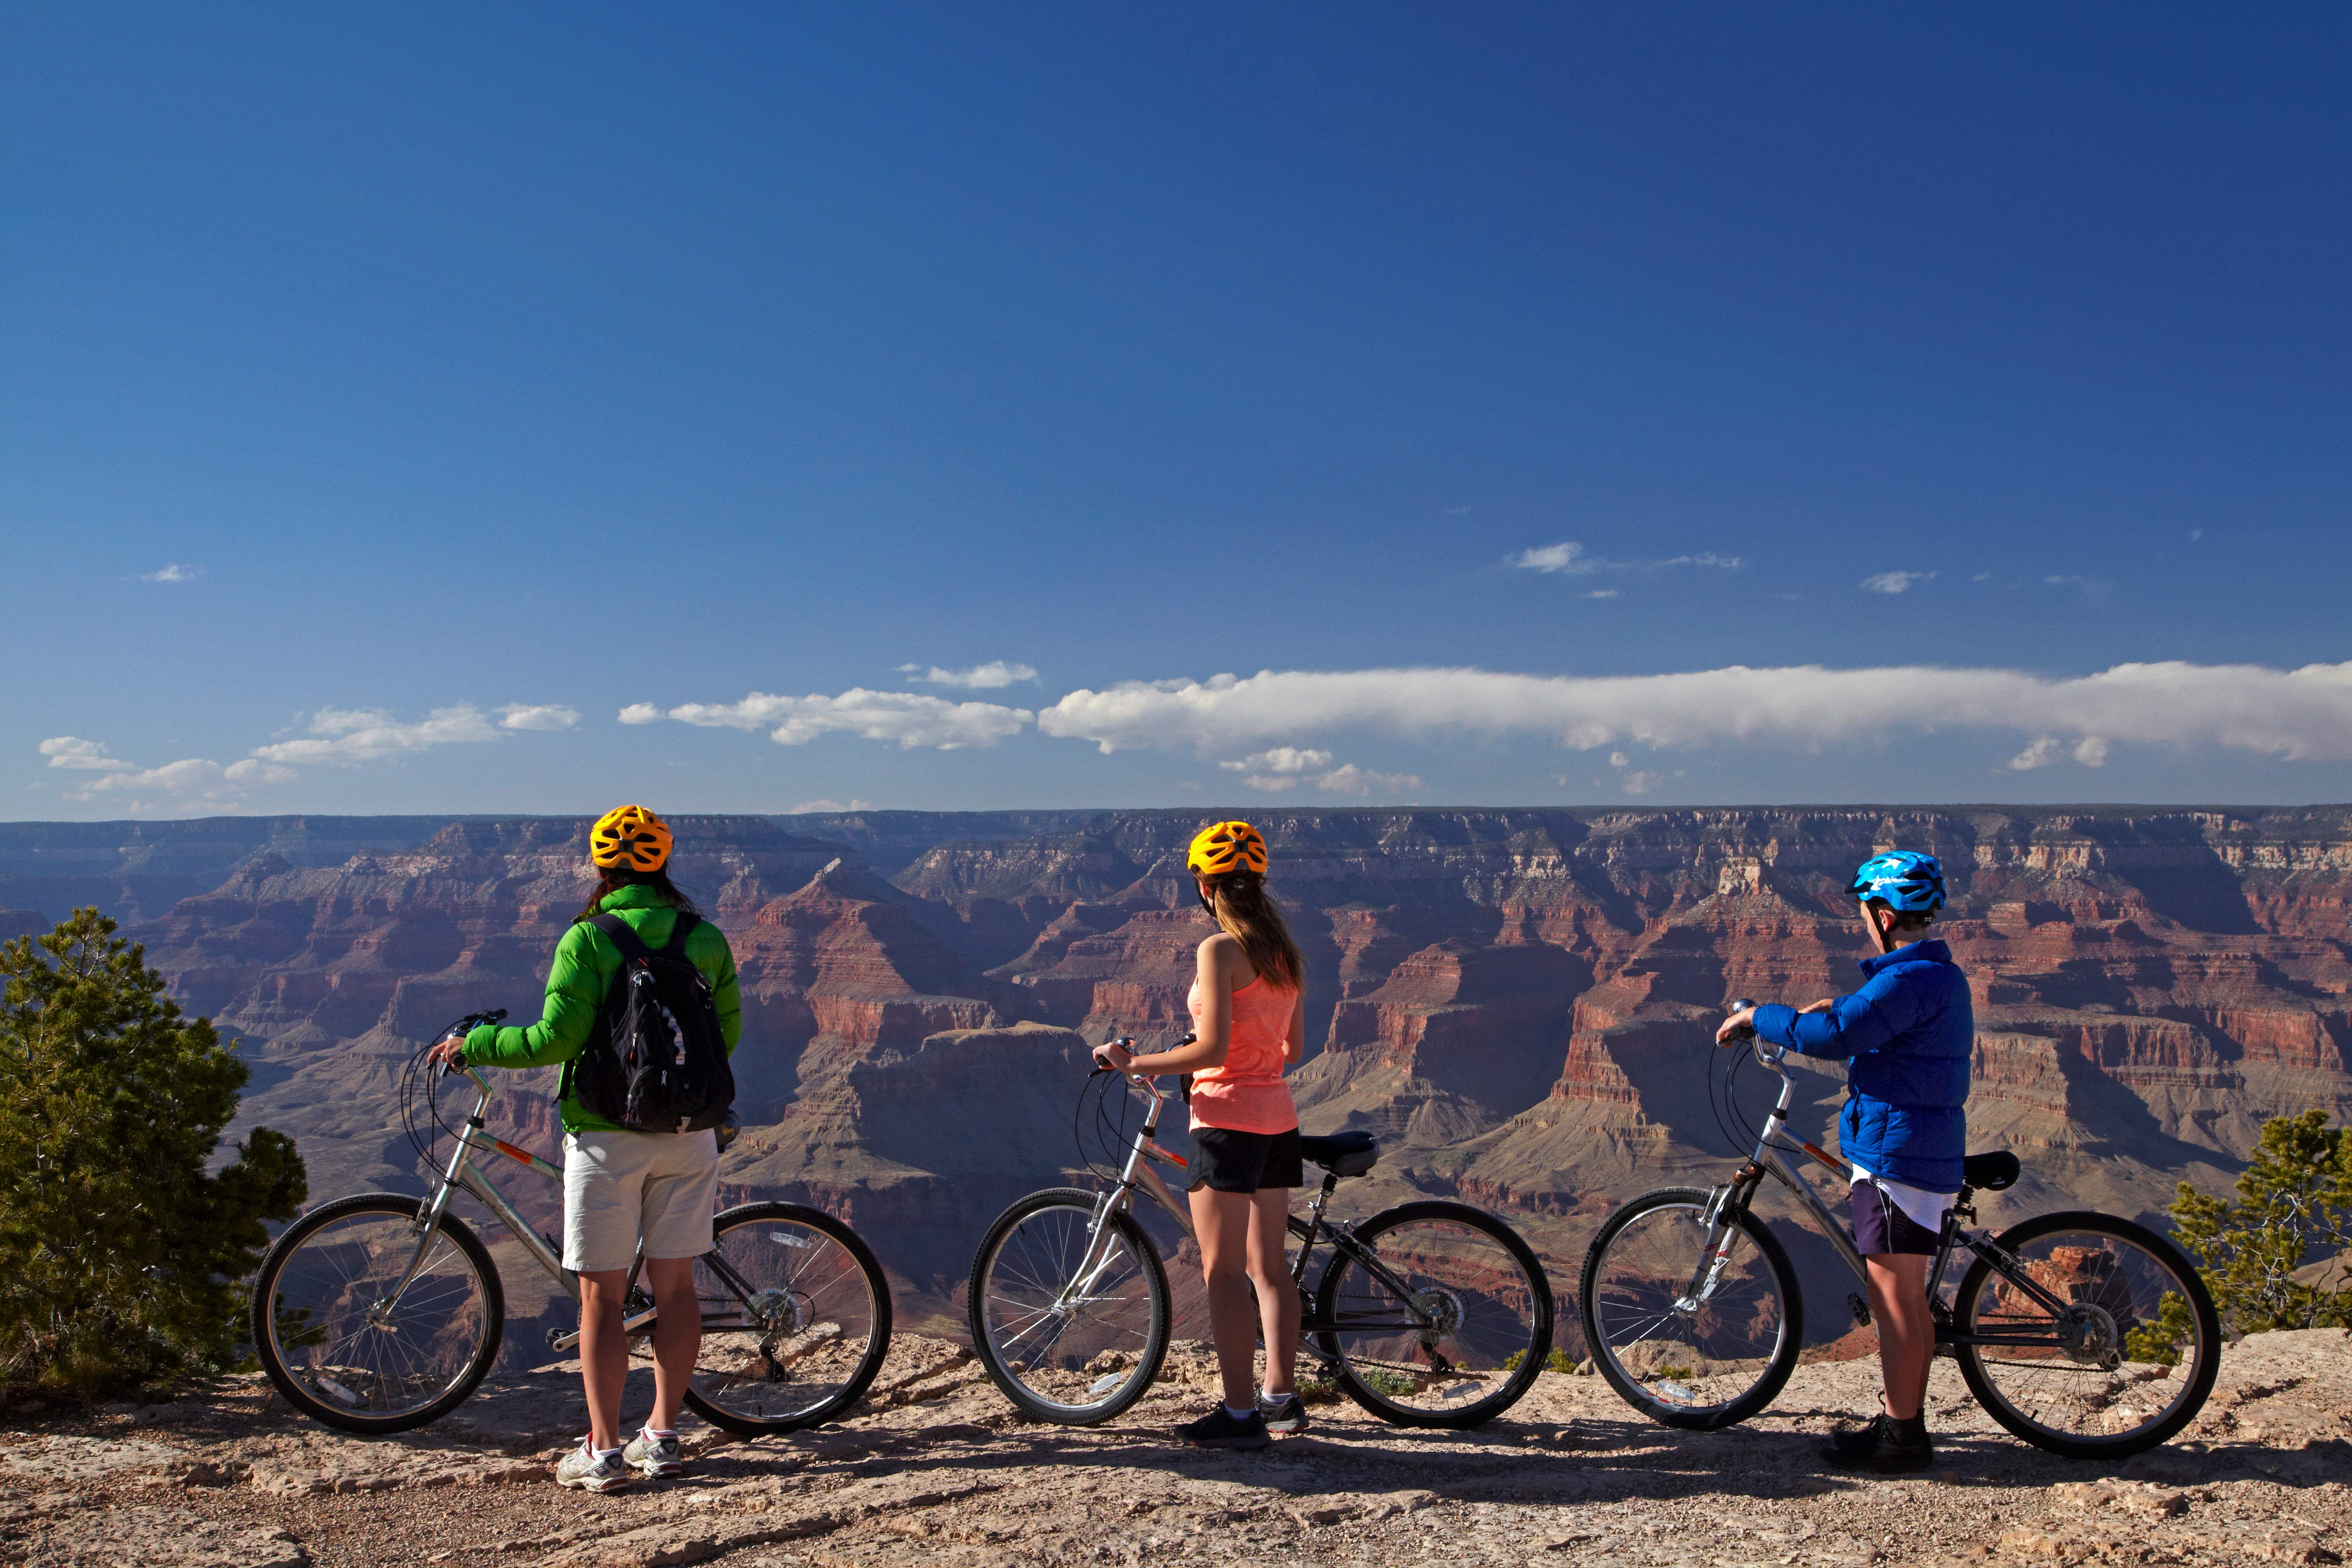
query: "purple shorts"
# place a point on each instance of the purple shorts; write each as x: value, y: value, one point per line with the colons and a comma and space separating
x: 1880, y: 1227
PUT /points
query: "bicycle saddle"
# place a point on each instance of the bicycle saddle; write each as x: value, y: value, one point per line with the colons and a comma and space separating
x: 1341, y: 1154
x: 1990, y: 1172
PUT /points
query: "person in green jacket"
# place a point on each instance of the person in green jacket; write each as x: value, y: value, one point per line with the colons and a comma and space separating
x: 619, y: 1186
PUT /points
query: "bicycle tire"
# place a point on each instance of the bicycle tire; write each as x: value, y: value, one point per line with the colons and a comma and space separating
x: 799, y: 1296
x: 1641, y: 1295
x: 334, y: 1394
x: 1485, y: 1350
x: 1023, y: 1262
x: 2105, y: 1295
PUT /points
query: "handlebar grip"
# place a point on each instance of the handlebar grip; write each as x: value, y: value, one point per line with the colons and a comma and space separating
x: 1746, y: 1031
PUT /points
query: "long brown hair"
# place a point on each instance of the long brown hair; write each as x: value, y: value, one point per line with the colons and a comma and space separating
x: 612, y: 878
x: 1238, y: 901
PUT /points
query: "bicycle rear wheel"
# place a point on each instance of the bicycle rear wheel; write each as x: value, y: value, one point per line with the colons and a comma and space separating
x: 1065, y: 1348
x: 1445, y: 1324
x: 342, y: 1352
x: 1675, y: 1357
x: 2122, y: 1365
x: 795, y: 1319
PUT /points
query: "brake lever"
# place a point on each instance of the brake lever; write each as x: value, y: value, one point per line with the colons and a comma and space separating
x: 1745, y: 1031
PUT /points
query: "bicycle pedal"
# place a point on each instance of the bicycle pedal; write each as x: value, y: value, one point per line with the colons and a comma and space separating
x: 1859, y: 1308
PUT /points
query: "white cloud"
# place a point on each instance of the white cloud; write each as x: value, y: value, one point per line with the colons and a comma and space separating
x: 909, y: 717
x: 342, y: 736
x: 2092, y: 750
x: 2302, y: 714
x: 1603, y: 593
x: 536, y: 716
x: 2040, y: 755
x: 1619, y: 760
x: 1350, y: 779
x: 71, y: 752
x: 641, y: 713
x: 825, y: 807
x: 996, y: 672
x: 1641, y: 781
x: 1893, y: 582
x: 1566, y: 557
x: 174, y: 572
x: 190, y: 775
x: 1570, y: 557
x: 251, y: 770
x: 1281, y: 759
x: 1287, y: 767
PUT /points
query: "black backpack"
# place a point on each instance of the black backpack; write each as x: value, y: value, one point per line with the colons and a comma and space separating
x: 656, y: 1062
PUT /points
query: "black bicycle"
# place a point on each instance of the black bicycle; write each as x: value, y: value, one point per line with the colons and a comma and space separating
x: 1428, y: 1314
x: 2083, y: 1333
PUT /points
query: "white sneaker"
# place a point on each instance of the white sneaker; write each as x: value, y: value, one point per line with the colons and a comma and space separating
x: 589, y: 1471
x: 656, y: 1457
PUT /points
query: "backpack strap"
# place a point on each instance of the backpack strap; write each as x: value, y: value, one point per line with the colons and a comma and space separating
x: 618, y: 930
x: 686, y: 922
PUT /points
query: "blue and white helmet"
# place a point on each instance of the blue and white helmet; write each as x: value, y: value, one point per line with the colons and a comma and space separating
x: 1902, y: 880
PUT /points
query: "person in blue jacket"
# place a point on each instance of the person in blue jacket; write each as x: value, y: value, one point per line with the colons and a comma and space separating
x: 1908, y: 1035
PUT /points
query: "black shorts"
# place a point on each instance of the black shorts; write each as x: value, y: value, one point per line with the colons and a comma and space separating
x: 1880, y: 1227
x: 1224, y: 1160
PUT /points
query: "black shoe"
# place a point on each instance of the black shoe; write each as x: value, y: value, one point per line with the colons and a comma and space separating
x: 1285, y: 1417
x: 1884, y: 1446
x: 1218, y: 1430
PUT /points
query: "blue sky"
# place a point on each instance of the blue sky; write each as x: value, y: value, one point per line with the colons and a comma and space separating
x: 393, y: 403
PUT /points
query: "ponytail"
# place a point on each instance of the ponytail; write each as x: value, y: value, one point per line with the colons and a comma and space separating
x: 610, y: 880
x: 1238, y: 901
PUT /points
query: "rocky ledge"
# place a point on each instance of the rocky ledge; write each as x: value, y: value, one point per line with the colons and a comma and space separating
x: 935, y: 1468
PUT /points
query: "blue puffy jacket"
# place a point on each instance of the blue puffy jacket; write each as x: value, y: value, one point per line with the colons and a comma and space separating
x: 1909, y: 1034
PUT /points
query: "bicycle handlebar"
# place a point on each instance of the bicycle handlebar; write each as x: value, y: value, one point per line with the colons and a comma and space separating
x: 463, y: 1028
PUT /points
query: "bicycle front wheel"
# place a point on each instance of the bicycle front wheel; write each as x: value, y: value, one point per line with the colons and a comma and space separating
x: 2114, y: 1353
x: 795, y: 1319
x: 343, y: 1349
x: 1443, y: 1319
x: 1689, y: 1340
x: 1066, y: 1340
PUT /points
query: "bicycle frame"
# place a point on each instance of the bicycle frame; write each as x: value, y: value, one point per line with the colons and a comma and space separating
x: 462, y: 1173
x: 1766, y: 1161
x: 1137, y: 1173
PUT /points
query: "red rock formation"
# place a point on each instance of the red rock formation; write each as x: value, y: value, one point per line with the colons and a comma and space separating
x: 1521, y: 1001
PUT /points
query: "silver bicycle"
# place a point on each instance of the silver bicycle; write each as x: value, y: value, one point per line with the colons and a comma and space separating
x: 1428, y: 1314
x: 382, y: 1312
x: 2085, y: 1334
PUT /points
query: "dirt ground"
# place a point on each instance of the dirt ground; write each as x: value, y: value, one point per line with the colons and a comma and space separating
x: 936, y: 1468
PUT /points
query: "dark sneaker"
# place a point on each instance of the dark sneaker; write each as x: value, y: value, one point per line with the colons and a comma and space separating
x: 1218, y: 1430
x: 1285, y: 1417
x: 656, y: 1457
x: 583, y: 1468
x: 1881, y: 1445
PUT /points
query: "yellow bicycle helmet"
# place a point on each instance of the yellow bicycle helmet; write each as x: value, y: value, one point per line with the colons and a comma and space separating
x: 1223, y: 847
x: 629, y: 836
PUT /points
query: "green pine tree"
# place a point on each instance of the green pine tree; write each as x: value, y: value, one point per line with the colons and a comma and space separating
x: 2293, y: 1203
x: 121, y: 1254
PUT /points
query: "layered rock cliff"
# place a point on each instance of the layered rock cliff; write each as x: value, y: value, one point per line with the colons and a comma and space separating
x: 1517, y: 1000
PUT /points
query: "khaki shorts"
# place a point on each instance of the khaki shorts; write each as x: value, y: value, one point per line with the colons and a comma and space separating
x: 618, y: 1186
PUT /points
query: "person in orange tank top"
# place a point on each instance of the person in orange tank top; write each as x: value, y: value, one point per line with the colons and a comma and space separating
x: 1249, y: 1020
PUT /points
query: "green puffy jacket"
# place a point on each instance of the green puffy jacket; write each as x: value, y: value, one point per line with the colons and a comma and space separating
x: 586, y: 962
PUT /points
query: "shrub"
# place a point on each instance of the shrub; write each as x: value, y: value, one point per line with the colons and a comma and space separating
x: 1558, y: 1360
x: 120, y: 1253
x: 2295, y: 1201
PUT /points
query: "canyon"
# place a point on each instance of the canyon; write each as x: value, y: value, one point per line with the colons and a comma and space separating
x: 1518, y: 1002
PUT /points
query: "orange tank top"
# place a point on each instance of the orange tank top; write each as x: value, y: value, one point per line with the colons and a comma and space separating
x: 1247, y: 1094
